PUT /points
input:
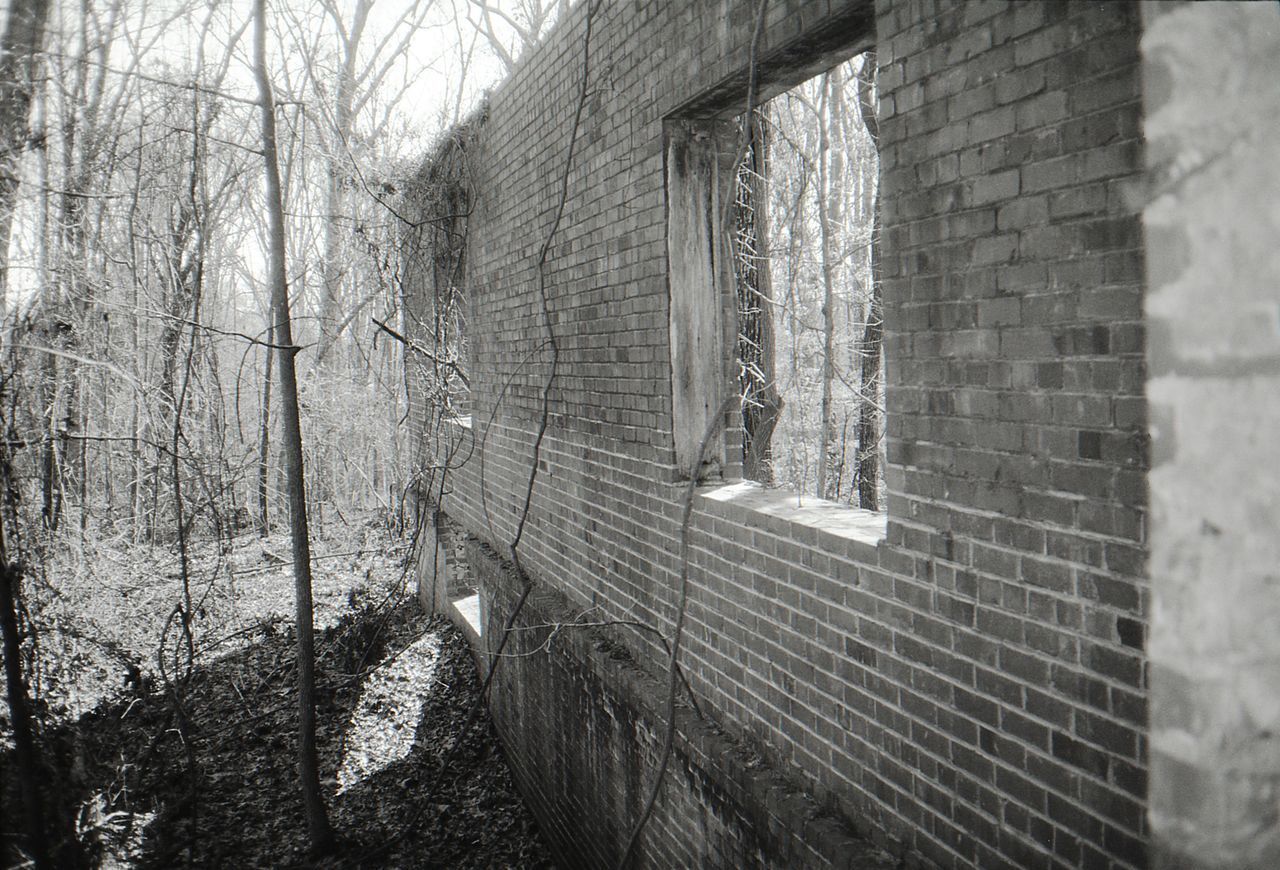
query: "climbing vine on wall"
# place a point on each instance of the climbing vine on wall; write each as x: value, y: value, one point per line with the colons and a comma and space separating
x: 433, y: 261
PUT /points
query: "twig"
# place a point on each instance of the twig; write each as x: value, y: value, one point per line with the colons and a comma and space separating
x: 262, y: 569
x: 182, y: 86
x: 488, y: 426
x: 419, y: 349
x: 556, y: 628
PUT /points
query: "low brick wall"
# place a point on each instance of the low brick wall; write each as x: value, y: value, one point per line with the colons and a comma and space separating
x: 582, y: 726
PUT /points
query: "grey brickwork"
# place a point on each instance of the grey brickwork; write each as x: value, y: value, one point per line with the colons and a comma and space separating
x: 972, y: 689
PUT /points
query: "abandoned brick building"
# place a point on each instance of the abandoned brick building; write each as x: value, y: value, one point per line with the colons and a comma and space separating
x: 1058, y: 643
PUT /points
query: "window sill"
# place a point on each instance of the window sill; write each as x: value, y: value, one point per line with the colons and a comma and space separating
x: 467, y: 611
x: 830, y: 526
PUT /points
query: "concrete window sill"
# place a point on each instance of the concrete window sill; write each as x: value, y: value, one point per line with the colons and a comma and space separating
x: 825, y: 524
x: 468, y: 615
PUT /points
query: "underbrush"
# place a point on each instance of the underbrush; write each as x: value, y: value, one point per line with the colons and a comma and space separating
x: 162, y: 751
x: 113, y: 617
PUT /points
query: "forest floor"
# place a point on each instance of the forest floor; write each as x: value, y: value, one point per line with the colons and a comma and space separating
x: 164, y: 752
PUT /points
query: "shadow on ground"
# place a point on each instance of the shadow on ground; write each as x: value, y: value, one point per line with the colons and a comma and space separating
x: 206, y: 776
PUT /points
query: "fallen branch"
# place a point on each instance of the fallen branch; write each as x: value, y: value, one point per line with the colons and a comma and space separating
x: 422, y: 351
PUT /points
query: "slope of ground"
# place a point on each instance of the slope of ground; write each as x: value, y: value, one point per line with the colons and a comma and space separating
x: 199, y: 770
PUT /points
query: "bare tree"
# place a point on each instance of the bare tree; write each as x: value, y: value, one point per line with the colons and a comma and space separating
x: 757, y: 352
x: 264, y: 440
x: 22, y: 38
x: 364, y: 65
x: 830, y: 189
x: 511, y: 33
x: 321, y: 832
x: 869, y: 415
x: 20, y: 710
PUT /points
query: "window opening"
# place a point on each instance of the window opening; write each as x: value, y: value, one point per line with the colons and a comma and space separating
x: 808, y: 351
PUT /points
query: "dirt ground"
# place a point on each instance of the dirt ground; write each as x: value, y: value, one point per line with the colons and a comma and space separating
x: 198, y: 769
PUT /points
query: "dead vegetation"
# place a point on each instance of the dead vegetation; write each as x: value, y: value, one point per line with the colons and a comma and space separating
x: 195, y: 767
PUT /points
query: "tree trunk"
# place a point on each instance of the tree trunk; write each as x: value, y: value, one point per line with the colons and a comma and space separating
x: 22, y: 38
x: 825, y: 187
x: 264, y: 439
x: 331, y: 267
x: 66, y: 307
x: 322, y: 838
x: 20, y: 716
x: 873, y: 334
x: 761, y: 403
x: 104, y: 451
x: 52, y: 458
x: 868, y: 430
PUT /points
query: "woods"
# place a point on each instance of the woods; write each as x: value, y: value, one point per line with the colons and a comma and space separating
x: 198, y: 238
x: 136, y: 287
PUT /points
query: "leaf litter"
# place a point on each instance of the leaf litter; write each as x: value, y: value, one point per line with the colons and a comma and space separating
x: 199, y: 770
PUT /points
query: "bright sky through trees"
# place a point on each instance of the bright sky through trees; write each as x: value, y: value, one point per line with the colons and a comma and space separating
x: 445, y: 66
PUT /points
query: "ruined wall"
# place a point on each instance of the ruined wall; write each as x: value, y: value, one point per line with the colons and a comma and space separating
x: 583, y: 728
x: 1212, y: 224
x: 967, y: 686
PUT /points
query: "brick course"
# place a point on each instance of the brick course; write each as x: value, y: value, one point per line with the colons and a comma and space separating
x: 971, y: 690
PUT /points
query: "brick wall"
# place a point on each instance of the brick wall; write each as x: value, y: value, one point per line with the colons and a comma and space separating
x: 583, y: 728
x: 971, y: 691
x: 1013, y: 291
